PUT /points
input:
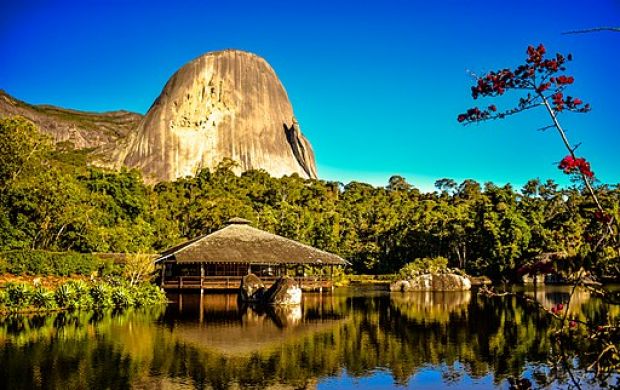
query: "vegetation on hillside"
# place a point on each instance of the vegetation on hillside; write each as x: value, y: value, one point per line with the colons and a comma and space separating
x: 52, y: 200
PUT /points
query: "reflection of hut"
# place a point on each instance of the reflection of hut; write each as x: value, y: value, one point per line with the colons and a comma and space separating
x: 219, y: 260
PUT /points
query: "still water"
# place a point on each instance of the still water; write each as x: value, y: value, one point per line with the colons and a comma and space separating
x: 351, y: 338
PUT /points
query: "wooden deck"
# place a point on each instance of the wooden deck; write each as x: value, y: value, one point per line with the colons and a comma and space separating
x: 233, y: 283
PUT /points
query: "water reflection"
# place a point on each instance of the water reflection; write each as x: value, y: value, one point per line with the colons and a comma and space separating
x: 332, y: 340
x: 431, y: 306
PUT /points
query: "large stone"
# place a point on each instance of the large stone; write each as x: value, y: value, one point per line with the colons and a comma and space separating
x: 432, y: 282
x: 226, y: 105
x: 285, y: 291
x: 252, y: 289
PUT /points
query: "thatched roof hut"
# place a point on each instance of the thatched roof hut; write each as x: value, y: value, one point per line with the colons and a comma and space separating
x: 241, y: 243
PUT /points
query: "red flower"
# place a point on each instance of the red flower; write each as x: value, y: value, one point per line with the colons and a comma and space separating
x: 564, y: 80
x: 543, y: 87
x: 569, y: 164
x: 577, y: 101
x: 602, y: 217
x: 492, y: 108
x: 558, y: 101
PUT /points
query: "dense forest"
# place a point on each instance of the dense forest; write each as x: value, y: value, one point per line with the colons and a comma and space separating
x: 53, y: 199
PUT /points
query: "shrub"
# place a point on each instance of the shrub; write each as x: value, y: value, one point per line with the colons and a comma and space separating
x: 64, y: 296
x: 77, y: 294
x: 43, y: 299
x: 423, y: 266
x: 101, y: 295
x: 50, y: 263
x: 19, y: 294
x: 147, y: 294
x: 81, y: 294
x: 4, y: 299
x: 121, y: 297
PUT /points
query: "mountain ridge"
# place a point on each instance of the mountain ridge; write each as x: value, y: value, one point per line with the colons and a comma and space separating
x: 223, y: 105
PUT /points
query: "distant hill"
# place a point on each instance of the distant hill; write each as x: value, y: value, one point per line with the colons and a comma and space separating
x: 82, y: 129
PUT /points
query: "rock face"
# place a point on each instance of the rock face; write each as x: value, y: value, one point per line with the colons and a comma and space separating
x: 432, y: 282
x: 222, y: 105
x: 81, y: 129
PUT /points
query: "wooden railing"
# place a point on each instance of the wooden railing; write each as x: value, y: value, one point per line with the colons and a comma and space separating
x: 233, y: 282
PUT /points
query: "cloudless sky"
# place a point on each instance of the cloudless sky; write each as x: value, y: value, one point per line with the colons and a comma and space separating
x: 375, y: 85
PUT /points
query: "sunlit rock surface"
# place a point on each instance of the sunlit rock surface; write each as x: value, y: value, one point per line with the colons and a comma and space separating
x: 223, y: 105
x: 432, y: 282
x: 285, y: 291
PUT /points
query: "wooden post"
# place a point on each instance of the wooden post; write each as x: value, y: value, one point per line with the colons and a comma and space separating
x: 163, y: 273
x: 202, y: 276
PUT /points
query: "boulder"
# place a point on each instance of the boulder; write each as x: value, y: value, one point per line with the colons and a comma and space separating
x: 285, y: 291
x: 252, y: 289
x: 432, y: 282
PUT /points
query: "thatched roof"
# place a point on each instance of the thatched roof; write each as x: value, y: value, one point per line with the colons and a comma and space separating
x: 240, y: 243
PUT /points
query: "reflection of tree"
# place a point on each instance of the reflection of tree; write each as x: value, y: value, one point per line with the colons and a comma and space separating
x: 403, y: 334
x: 431, y: 306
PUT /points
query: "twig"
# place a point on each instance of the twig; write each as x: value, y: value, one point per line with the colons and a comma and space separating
x: 595, y: 29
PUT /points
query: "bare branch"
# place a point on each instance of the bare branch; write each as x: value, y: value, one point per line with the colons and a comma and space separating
x: 546, y: 128
x: 595, y: 29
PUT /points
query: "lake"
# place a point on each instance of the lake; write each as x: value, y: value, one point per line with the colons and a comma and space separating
x: 352, y: 338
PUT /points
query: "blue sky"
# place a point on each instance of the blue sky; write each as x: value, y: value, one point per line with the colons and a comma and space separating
x: 375, y: 85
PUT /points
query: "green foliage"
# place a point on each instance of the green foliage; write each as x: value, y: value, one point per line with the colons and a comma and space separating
x: 138, y: 268
x: 77, y: 294
x: 65, y: 296
x: 482, y: 229
x: 18, y: 294
x: 22, y: 148
x: 81, y: 294
x: 49, y: 263
x: 4, y: 299
x: 147, y: 294
x: 101, y: 295
x: 122, y: 297
x: 43, y: 299
x: 423, y: 266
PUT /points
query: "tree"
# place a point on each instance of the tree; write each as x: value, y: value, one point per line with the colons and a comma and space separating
x: 138, y: 267
x: 398, y: 183
x: 22, y: 148
x: 542, y: 82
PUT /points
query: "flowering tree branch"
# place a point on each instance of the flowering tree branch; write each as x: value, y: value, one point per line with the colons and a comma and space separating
x: 545, y: 87
x: 543, y: 83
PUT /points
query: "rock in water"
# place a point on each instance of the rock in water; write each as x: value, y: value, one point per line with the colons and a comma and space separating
x: 285, y: 291
x: 223, y: 105
x: 432, y: 282
x: 251, y: 289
